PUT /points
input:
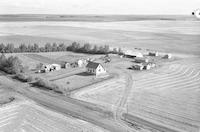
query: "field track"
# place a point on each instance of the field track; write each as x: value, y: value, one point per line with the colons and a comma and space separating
x: 170, y: 96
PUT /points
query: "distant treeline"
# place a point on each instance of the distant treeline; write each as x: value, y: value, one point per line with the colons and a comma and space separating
x: 48, y: 47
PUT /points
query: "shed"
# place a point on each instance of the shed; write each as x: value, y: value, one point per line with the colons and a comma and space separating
x: 138, y: 66
x: 141, y: 60
x: 168, y: 56
x: 155, y: 53
x: 95, y: 68
x: 56, y: 66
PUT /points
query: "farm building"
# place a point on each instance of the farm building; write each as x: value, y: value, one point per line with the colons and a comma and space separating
x: 153, y: 53
x: 141, y: 60
x: 81, y: 62
x: 148, y: 65
x: 95, y: 68
x: 138, y: 66
x: 56, y: 66
x: 46, y: 68
x: 50, y: 67
x: 168, y: 56
x: 131, y: 54
x: 67, y: 65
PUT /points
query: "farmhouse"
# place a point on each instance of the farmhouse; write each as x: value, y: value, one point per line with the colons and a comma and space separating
x: 153, y: 53
x: 95, y: 68
x: 131, y: 54
x: 141, y: 60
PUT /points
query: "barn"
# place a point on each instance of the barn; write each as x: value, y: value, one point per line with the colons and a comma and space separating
x: 131, y: 54
x: 95, y: 68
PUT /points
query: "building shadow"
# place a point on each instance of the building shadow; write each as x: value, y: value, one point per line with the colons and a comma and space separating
x: 83, y: 74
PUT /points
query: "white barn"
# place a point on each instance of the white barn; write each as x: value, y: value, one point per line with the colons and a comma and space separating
x: 130, y: 53
x: 95, y: 68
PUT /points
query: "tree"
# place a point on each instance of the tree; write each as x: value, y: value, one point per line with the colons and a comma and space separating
x: 48, y: 47
x: 3, y: 61
x: 106, y: 49
x: 2, y: 48
x: 30, y: 48
x: 74, y: 47
x: 36, y: 47
x: 114, y: 50
x: 54, y: 47
x: 95, y: 49
x: 86, y: 48
x: 10, y: 48
x: 62, y: 47
x: 23, y: 48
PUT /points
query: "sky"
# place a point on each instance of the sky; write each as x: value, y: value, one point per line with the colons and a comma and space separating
x: 98, y: 6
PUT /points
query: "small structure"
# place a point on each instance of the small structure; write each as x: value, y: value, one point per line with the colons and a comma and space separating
x: 45, y: 68
x: 148, y: 65
x: 168, y: 56
x: 95, y: 68
x: 131, y: 54
x: 67, y: 65
x: 55, y: 67
x: 153, y: 53
x: 80, y: 63
x: 141, y: 60
x: 138, y: 66
x: 74, y: 64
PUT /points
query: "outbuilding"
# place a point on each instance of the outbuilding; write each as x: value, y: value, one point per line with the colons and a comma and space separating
x: 55, y: 67
x: 95, y: 68
x: 155, y: 53
x: 132, y: 54
x: 168, y: 56
x: 138, y: 66
x: 141, y: 60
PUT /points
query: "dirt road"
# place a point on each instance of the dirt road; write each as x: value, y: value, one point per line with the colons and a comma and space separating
x: 68, y: 106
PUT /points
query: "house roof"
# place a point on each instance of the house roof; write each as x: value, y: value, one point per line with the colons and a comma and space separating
x: 93, y: 65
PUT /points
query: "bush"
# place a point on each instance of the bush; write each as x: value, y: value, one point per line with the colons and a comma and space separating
x: 24, y: 78
x: 11, y: 65
x: 50, y: 86
x: 21, y: 77
x: 46, y: 84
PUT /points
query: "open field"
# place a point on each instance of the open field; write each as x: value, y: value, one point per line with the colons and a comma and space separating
x: 169, y: 95
x: 92, y: 18
x: 163, y: 35
x: 28, y: 117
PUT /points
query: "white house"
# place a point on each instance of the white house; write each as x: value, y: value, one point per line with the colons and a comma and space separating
x: 95, y: 68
